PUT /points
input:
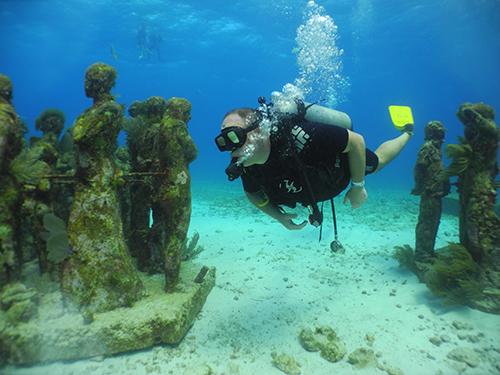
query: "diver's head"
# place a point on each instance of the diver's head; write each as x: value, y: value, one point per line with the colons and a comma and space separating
x: 242, y: 135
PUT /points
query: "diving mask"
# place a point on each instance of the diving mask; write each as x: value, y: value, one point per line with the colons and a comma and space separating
x: 233, y: 137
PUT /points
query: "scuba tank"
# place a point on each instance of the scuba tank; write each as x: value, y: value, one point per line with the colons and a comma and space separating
x: 317, y: 113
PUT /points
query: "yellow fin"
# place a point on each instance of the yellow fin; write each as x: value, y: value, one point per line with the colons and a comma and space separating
x: 400, y: 115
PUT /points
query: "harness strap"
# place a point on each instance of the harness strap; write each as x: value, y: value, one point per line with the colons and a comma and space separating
x: 316, y: 218
x: 321, y: 227
x: 335, y: 233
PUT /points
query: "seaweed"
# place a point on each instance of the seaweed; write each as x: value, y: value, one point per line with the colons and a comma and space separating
x: 454, y: 275
x: 461, y: 155
x: 28, y: 169
x: 58, y: 248
x: 66, y: 143
x: 4, y: 232
x: 406, y: 257
x: 191, y: 251
x: 134, y: 129
x: 6, y: 256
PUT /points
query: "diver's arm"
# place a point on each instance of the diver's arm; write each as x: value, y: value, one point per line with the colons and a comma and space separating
x: 262, y: 202
x: 356, y: 154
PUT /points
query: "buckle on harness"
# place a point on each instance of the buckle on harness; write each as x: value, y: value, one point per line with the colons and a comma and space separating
x: 316, y: 216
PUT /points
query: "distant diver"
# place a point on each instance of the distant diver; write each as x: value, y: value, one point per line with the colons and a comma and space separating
x: 148, y: 43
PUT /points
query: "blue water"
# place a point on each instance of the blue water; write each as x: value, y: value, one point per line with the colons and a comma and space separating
x: 224, y: 54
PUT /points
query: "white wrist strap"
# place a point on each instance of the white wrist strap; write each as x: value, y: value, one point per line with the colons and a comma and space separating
x: 358, y: 184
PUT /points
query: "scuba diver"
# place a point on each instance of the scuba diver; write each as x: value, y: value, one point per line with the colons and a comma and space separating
x: 292, y: 152
x: 142, y: 42
x: 149, y: 43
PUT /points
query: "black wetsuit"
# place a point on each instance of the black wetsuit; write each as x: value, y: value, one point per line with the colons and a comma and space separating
x: 319, y: 148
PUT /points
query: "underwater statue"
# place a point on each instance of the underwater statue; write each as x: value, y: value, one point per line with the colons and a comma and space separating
x: 467, y: 272
x: 475, y: 164
x: 11, y: 144
x: 159, y: 142
x: 40, y: 196
x: 143, y: 140
x: 63, y: 189
x: 431, y: 184
x: 99, y: 274
x: 122, y: 161
x: 172, y: 196
x: 97, y: 288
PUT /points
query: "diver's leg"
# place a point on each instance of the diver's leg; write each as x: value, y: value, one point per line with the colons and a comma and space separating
x: 388, y: 150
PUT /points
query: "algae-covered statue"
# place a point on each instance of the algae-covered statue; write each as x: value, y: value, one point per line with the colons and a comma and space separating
x: 40, y: 196
x: 99, y: 275
x: 172, y: 198
x: 475, y: 164
x: 11, y: 144
x: 143, y: 140
x: 116, y: 308
x: 63, y: 189
x: 467, y: 272
x: 431, y: 184
x: 159, y: 141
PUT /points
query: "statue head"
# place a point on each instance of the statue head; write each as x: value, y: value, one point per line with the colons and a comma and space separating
x: 99, y: 80
x: 434, y: 131
x: 179, y: 108
x: 51, y: 121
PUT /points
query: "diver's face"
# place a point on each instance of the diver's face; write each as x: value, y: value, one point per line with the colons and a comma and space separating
x: 246, y: 153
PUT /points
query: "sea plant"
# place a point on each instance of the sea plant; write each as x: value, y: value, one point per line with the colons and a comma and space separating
x: 6, y: 256
x: 58, y: 248
x: 66, y: 143
x: 406, y: 257
x: 192, y: 250
x: 461, y: 155
x: 27, y: 169
x: 4, y: 232
x: 454, y: 275
x: 134, y: 128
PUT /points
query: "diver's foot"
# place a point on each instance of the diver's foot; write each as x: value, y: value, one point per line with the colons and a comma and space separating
x: 408, y: 129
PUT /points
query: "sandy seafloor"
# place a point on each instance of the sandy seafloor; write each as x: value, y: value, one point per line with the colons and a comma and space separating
x: 272, y: 282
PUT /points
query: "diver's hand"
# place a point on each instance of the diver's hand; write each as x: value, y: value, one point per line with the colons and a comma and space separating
x: 357, y: 196
x: 287, y: 222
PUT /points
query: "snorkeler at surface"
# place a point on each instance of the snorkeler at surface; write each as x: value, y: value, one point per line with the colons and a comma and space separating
x: 300, y: 154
